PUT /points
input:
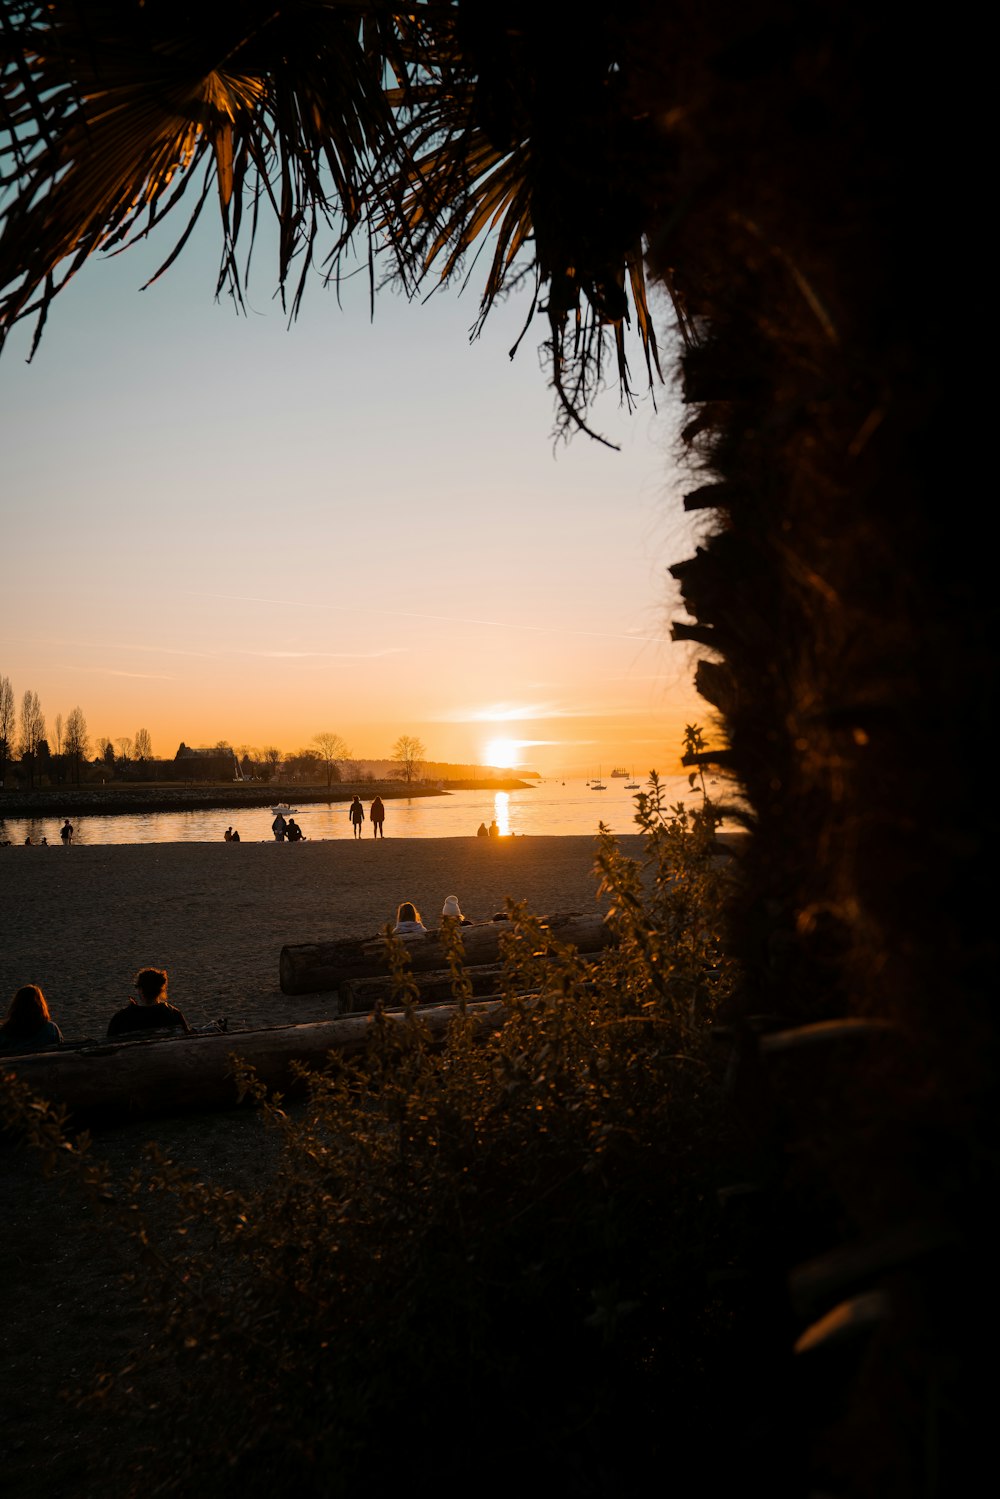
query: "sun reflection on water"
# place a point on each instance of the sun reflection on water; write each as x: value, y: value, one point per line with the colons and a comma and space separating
x: 501, y: 812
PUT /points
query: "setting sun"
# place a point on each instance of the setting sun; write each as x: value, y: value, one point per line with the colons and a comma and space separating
x: 503, y: 753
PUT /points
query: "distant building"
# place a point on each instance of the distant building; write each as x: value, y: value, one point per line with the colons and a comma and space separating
x: 215, y: 764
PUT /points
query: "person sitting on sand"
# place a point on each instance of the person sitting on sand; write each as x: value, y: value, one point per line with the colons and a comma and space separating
x: 28, y: 1026
x: 236, y: 836
x: 494, y: 831
x: 293, y: 832
x: 408, y: 923
x: 151, y: 1011
x: 451, y: 911
x: 482, y: 831
x: 357, y: 815
x: 228, y: 835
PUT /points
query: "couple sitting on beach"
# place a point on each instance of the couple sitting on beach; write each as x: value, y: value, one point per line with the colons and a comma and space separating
x: 409, y: 924
x: 29, y: 1026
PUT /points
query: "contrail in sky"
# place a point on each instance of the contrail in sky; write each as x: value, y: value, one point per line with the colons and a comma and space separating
x: 447, y: 619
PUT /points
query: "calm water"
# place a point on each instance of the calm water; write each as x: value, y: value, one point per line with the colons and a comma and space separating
x: 550, y: 808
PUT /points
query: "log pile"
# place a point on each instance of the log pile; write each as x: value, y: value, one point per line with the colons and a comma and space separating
x: 356, y: 970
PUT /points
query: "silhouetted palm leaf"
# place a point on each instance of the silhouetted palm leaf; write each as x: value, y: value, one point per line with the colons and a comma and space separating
x: 119, y: 110
x: 113, y: 107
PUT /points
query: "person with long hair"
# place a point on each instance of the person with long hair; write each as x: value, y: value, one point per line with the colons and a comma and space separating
x: 408, y: 923
x: 28, y: 1026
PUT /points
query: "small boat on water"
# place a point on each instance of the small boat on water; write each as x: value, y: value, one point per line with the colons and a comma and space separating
x: 598, y: 785
x: 633, y: 784
x: 284, y: 810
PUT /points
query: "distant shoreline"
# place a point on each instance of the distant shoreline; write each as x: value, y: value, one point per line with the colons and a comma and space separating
x: 103, y: 801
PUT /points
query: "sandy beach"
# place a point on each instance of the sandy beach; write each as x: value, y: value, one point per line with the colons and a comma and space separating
x: 80, y: 921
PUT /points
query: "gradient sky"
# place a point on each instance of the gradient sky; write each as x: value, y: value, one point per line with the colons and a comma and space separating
x: 219, y: 527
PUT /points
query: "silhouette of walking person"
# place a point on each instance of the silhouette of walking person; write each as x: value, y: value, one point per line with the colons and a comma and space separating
x: 377, y: 815
x: 278, y: 828
x: 357, y: 816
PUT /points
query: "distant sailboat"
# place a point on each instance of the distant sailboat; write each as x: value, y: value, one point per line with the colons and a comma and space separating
x: 598, y: 785
x: 633, y: 784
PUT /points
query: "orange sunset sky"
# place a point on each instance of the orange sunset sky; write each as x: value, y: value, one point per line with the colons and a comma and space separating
x: 219, y: 527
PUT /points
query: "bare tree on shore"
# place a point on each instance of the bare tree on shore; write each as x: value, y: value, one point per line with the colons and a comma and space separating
x: 271, y: 759
x: 331, y: 749
x: 77, y: 740
x: 142, y: 745
x: 408, y: 754
x: 32, y: 731
x: 8, y: 725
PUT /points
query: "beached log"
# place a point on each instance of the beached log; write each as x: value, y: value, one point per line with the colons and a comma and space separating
x: 114, y: 1082
x: 358, y: 995
x: 320, y: 967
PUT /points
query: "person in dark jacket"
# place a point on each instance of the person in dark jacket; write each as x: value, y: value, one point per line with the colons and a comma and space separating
x: 151, y: 1011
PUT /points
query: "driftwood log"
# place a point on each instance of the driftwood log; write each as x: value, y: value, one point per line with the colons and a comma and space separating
x: 336, y: 967
x: 115, y: 1082
x: 357, y: 995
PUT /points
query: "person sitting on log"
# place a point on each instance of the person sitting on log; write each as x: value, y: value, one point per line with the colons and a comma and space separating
x: 408, y: 923
x: 28, y: 1026
x: 482, y: 831
x: 151, y: 1011
x: 451, y: 911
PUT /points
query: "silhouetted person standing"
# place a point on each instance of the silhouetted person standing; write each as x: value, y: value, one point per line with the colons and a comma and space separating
x: 278, y: 828
x: 357, y: 816
x: 66, y: 831
x: 377, y: 815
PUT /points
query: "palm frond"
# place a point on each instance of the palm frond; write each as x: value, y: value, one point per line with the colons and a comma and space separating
x: 432, y: 129
x: 110, y: 109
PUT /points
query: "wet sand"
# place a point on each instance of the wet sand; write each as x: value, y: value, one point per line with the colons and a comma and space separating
x: 79, y: 922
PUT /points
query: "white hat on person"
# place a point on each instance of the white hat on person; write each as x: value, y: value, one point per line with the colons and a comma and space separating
x: 451, y: 908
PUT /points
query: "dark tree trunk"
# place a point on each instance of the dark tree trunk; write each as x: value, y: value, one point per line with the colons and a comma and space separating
x: 851, y: 631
